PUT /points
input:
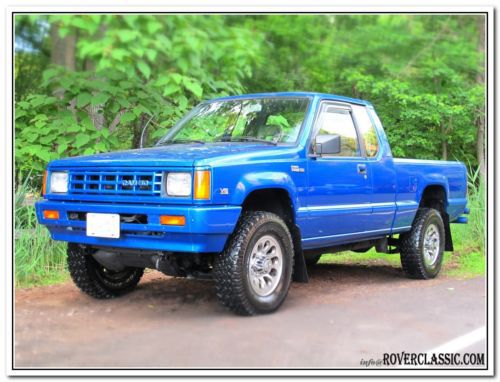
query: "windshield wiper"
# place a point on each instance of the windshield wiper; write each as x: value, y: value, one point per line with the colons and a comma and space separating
x: 175, y: 141
x: 246, y: 139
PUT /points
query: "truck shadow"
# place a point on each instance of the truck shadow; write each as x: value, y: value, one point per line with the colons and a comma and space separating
x: 352, y: 272
x: 157, y: 288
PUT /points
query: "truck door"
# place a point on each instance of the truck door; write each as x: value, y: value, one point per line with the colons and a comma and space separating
x: 381, y: 168
x: 339, y: 185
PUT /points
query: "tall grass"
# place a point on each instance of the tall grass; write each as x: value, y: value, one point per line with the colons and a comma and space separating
x: 469, y: 239
x: 471, y: 236
x: 38, y: 259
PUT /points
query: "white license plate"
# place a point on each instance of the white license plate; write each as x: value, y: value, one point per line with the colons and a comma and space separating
x: 103, y: 225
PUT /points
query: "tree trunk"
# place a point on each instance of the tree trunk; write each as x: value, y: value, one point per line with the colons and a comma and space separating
x: 444, y: 142
x: 480, y: 121
x: 96, y: 112
x: 63, y: 49
x: 63, y: 53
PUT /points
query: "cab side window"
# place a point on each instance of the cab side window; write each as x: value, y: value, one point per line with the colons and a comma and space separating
x: 367, y: 130
x: 335, y: 120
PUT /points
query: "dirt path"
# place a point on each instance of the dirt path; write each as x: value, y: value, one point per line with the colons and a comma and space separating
x: 345, y: 314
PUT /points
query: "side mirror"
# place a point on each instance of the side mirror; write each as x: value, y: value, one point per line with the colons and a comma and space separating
x: 327, y: 144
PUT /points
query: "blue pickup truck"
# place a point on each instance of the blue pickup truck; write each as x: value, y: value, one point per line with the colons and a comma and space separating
x: 249, y: 190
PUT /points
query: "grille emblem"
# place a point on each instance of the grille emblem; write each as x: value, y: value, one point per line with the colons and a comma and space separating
x: 135, y: 182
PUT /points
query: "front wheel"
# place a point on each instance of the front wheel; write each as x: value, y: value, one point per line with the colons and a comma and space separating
x: 254, y: 272
x: 422, y: 248
x: 94, y: 279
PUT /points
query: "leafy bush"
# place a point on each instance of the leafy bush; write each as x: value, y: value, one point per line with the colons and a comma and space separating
x: 124, y: 73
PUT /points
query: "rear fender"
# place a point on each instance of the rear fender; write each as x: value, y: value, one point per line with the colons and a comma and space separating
x: 439, y: 180
x: 433, y: 180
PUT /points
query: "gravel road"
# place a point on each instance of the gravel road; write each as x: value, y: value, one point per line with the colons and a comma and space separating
x: 345, y: 314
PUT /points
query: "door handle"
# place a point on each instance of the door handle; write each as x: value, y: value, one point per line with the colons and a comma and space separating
x: 362, y: 169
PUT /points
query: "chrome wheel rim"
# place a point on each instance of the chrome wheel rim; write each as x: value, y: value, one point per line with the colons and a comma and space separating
x: 431, y: 245
x: 265, y: 265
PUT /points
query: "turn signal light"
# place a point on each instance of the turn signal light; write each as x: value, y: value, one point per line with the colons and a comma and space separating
x: 202, y: 184
x: 172, y: 220
x: 51, y: 214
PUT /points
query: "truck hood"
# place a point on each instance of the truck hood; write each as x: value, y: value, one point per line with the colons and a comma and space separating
x: 178, y: 155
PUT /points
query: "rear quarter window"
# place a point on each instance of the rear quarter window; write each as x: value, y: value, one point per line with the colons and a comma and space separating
x: 367, y: 130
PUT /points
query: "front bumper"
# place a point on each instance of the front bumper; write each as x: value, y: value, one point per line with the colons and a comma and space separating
x: 206, y: 229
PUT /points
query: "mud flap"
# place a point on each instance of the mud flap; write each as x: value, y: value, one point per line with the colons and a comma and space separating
x: 448, y: 243
x: 299, y: 270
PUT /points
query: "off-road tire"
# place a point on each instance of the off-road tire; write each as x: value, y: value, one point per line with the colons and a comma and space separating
x: 93, y: 279
x: 231, y: 267
x: 412, y: 245
x: 312, y: 260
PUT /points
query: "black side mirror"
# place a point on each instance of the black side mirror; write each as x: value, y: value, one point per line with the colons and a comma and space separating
x: 327, y: 144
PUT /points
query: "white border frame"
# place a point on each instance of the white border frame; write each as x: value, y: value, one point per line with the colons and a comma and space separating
x: 260, y: 6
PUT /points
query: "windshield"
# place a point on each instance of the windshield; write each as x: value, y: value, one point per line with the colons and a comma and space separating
x: 266, y: 120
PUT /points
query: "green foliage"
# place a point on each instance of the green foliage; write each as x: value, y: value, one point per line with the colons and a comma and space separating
x: 420, y: 72
x: 46, y: 129
x: 130, y: 70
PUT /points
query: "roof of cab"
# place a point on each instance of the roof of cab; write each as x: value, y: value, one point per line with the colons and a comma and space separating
x: 332, y: 97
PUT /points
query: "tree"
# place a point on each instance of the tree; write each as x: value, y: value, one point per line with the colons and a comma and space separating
x: 113, y: 74
x: 419, y: 71
x: 481, y: 27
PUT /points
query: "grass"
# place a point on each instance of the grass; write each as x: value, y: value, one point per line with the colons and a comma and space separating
x: 41, y: 261
x: 465, y: 262
x: 371, y: 257
x: 38, y: 259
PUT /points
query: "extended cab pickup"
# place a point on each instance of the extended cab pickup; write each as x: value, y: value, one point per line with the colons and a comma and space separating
x: 247, y: 190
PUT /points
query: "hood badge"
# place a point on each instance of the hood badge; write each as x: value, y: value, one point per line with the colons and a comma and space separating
x: 296, y: 168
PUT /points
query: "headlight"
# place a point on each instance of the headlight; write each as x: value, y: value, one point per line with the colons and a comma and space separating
x: 59, y: 182
x: 178, y: 184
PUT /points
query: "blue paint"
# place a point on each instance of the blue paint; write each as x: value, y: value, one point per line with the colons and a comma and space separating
x: 333, y: 203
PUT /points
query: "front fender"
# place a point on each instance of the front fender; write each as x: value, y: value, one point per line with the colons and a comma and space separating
x: 253, y: 181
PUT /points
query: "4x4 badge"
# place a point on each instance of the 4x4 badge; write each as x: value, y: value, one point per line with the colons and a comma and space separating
x: 296, y: 168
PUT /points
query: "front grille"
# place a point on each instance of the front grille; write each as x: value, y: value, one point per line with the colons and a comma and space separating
x: 127, y: 182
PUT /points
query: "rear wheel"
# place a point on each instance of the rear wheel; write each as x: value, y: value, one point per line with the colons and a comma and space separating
x: 422, y: 248
x: 94, y: 279
x: 254, y: 272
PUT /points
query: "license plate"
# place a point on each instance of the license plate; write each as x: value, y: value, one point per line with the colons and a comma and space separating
x: 103, y: 225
